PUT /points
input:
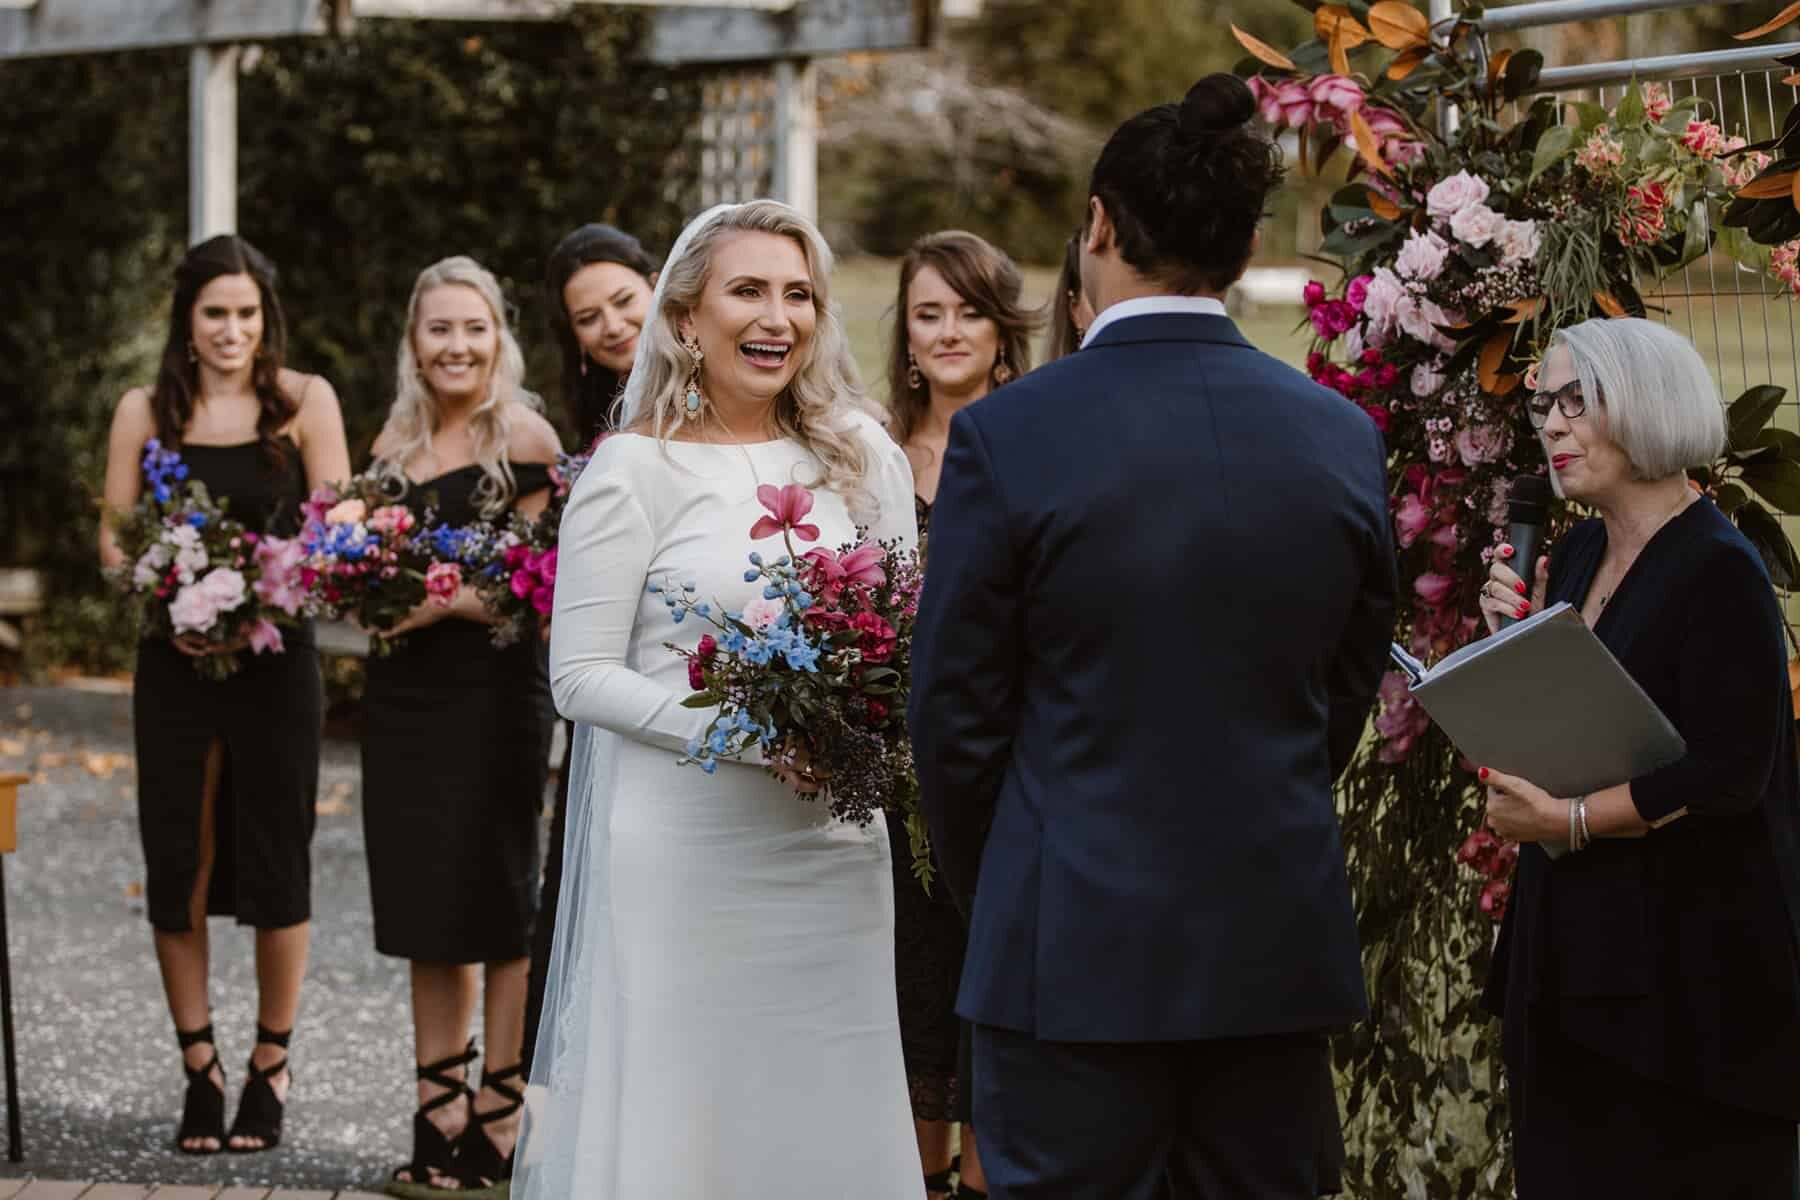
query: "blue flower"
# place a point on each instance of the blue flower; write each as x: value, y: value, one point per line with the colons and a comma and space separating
x: 197, y: 520
x: 704, y: 610
x: 720, y: 741
x: 653, y: 588
x: 708, y: 765
x: 678, y: 615
x: 693, y: 747
x: 733, y: 642
x: 772, y: 592
x: 755, y: 559
x: 803, y: 601
x: 181, y: 470
x: 752, y: 576
x: 759, y: 652
x: 162, y: 493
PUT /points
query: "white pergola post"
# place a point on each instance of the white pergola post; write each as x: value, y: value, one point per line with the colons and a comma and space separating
x: 212, y: 141
x: 796, y: 175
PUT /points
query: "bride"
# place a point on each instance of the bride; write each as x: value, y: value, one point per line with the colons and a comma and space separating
x: 721, y: 1018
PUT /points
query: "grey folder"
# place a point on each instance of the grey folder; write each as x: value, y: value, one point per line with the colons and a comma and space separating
x: 1544, y: 700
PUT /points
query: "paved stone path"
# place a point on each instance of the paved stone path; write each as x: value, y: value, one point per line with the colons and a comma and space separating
x: 99, y: 1071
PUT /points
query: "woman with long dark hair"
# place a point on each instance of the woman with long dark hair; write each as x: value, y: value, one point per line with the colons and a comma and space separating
x: 598, y: 285
x: 1070, y: 312
x: 228, y: 770
x: 959, y: 332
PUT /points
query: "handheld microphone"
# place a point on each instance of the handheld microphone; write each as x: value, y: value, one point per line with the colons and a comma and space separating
x: 1527, y: 505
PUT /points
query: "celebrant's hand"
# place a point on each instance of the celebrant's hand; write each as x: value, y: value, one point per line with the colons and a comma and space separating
x: 465, y: 603
x: 792, y: 764
x: 1521, y: 811
x: 1504, y: 593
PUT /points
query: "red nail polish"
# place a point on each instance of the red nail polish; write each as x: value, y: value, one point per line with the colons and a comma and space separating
x: 1506, y: 552
x: 1519, y: 588
x: 1484, y: 772
x: 1523, y: 609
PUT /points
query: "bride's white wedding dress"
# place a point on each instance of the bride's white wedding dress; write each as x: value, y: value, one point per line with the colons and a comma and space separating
x: 722, y: 1018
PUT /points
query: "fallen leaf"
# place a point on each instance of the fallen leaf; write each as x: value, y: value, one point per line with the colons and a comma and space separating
x: 1262, y: 51
x: 1784, y: 17
x: 1496, y: 70
x: 1524, y: 310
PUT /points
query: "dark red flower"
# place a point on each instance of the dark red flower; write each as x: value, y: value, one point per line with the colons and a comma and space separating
x: 696, y: 675
x: 707, y: 648
x: 877, y: 640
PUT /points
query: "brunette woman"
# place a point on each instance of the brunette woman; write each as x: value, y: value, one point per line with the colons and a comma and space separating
x: 456, y: 733
x: 960, y: 331
x: 1070, y: 312
x: 598, y: 284
x: 228, y: 770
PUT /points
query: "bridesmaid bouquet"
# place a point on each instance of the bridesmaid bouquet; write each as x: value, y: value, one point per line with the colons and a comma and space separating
x: 518, y: 584
x: 190, y: 569
x: 368, y: 559
x: 819, y: 663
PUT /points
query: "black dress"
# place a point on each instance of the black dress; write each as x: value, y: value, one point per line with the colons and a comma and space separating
x: 455, y: 737
x: 267, y: 715
x: 1650, y: 987
x: 929, y: 941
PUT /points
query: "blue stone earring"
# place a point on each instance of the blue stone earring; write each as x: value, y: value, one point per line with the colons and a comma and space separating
x: 691, y: 400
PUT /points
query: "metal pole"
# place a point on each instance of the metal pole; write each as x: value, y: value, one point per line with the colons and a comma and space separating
x: 1666, y: 66
x: 1442, y: 11
x: 1555, y: 12
x: 212, y: 141
x: 15, y: 1138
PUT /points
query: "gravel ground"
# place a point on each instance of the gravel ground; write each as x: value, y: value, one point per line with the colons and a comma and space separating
x: 99, y: 1071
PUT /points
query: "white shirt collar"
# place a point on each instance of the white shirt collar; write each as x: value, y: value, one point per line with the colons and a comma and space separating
x: 1143, y: 306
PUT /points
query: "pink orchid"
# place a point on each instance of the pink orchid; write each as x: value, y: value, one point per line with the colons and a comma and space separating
x: 786, y: 505
x: 830, y: 574
x: 1332, y: 94
x: 1268, y: 99
x: 265, y: 638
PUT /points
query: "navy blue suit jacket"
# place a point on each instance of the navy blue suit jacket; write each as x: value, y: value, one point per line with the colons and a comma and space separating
x: 1159, y: 593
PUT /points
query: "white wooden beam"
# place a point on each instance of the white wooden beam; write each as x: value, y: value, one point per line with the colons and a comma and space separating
x: 212, y: 141
x: 797, y: 135
x: 812, y: 29
x: 88, y: 26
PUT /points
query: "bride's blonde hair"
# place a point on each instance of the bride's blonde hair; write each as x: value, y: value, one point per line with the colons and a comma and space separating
x: 813, y: 408
x: 416, y: 413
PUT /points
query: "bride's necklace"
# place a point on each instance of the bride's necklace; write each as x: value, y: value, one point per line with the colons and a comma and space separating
x: 1686, y: 499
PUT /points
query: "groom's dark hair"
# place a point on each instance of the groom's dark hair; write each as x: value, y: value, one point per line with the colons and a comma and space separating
x: 1185, y: 185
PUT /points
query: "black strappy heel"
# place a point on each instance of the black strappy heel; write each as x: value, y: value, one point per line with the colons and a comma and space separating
x: 203, y: 1108
x: 943, y: 1181
x: 434, y: 1154
x: 259, y: 1110
x: 479, y: 1164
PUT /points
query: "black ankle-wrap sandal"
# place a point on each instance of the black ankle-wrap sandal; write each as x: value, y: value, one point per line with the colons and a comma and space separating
x: 203, y: 1108
x: 943, y: 1182
x: 259, y: 1110
x: 478, y: 1160
x: 433, y: 1154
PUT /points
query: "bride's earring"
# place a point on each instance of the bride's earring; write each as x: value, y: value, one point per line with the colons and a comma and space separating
x: 690, y: 405
x: 913, y: 378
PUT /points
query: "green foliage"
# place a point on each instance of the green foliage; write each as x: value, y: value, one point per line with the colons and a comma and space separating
x: 1765, y: 462
x: 362, y: 160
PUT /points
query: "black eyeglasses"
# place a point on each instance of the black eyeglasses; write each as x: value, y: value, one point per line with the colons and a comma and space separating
x: 1568, y: 398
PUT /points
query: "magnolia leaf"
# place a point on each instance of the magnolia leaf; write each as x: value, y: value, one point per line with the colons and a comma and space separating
x: 1521, y: 74
x: 1368, y: 144
x: 701, y: 700
x: 1407, y: 63
x: 1262, y: 51
x: 1730, y: 497
x: 1783, y: 443
x: 1699, y: 234
x: 1766, y: 534
x: 1791, y: 80
x: 1497, y: 69
x: 1334, y: 21
x: 1340, y: 57
x: 1776, y: 482
x: 1524, y: 310
x: 1399, y: 26
x: 1493, y: 355
x: 1504, y: 385
x: 1770, y: 186
x: 1784, y: 17
x: 1551, y: 147
x: 1383, y: 207
x: 1609, y: 304
x: 1794, y: 685
x: 1750, y: 412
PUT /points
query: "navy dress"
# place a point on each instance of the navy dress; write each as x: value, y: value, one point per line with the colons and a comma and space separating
x: 456, y: 735
x: 267, y: 716
x: 1650, y: 987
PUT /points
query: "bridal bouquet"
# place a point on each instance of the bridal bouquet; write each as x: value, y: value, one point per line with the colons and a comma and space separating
x: 818, y: 664
x: 190, y: 569
x: 371, y: 560
x: 518, y: 583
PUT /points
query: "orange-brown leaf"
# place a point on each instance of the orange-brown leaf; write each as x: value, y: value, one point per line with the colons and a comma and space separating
x: 1340, y: 57
x: 1796, y: 191
x: 1770, y: 187
x: 1407, y: 63
x: 1335, y: 22
x: 1524, y: 310
x: 1505, y: 384
x: 1791, y: 80
x: 1382, y: 207
x: 1493, y: 354
x: 1784, y: 17
x: 1496, y: 68
x: 1262, y: 51
x: 1794, y: 684
x: 1399, y: 26
x: 1368, y: 144
x: 1609, y: 304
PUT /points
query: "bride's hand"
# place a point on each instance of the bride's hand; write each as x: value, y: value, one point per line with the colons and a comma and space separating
x: 792, y: 764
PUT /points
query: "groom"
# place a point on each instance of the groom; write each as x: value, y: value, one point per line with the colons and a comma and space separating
x: 1160, y: 592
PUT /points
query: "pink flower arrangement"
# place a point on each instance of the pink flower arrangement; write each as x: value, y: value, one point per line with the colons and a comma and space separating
x: 1784, y: 264
x: 1601, y: 153
x: 1657, y: 101
x: 1704, y: 138
x: 1401, y: 721
x: 1646, y: 213
x: 1494, y: 861
x: 1450, y: 196
x: 442, y: 581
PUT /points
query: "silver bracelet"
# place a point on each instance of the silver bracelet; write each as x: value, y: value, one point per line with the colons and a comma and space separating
x: 1581, y: 811
x: 1574, y: 830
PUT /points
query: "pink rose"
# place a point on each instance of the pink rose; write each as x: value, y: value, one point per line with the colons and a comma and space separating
x: 1476, y: 225
x: 391, y: 519
x: 1451, y: 196
x: 225, y: 588
x: 1422, y: 257
x: 442, y: 582
x: 546, y: 567
x: 193, y: 610
x: 515, y: 557
x: 1433, y: 588
x: 265, y: 638
x: 1479, y: 444
x: 762, y: 612
x: 1419, y: 319
x: 1379, y: 415
x: 1494, y: 897
x: 522, y: 583
x: 1313, y: 294
x: 543, y: 600
x: 1333, y: 95
x: 1411, y: 519
x: 1518, y: 241
x: 1358, y: 291
x: 1381, y: 304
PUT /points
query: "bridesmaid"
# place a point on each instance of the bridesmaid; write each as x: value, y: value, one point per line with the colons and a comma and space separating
x: 960, y: 332
x: 228, y: 770
x: 456, y: 733
x: 598, y: 284
x: 1070, y: 313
